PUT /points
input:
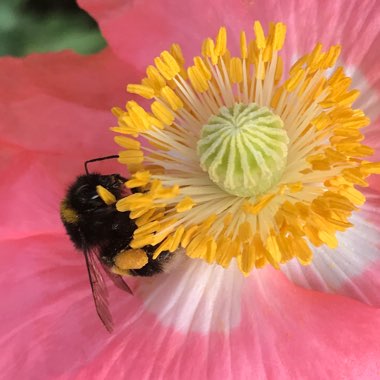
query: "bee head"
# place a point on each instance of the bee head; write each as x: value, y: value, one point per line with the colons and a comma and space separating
x: 83, y: 195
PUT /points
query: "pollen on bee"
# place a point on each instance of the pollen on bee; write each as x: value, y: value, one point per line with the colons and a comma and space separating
x: 130, y: 259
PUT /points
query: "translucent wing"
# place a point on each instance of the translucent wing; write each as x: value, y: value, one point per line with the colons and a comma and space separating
x: 117, y: 280
x: 98, y: 287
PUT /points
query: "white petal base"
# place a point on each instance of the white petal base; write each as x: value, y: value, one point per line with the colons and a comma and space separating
x: 195, y: 296
x: 333, y: 271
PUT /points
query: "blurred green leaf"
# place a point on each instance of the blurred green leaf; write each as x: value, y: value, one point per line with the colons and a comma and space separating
x: 24, y: 30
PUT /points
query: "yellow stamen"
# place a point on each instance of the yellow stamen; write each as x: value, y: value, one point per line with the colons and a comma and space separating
x: 107, y: 197
x: 167, y: 65
x: 142, y: 90
x: 201, y: 66
x: 236, y: 70
x: 221, y: 42
x: 134, y: 201
x: 208, y: 50
x: 188, y: 235
x: 155, y: 79
x: 170, y: 96
x: 140, y: 178
x: 273, y: 247
x: 185, y: 205
x: 371, y: 168
x: 260, y: 37
x: 131, y: 157
x: 279, y: 36
x: 243, y: 45
x: 176, y: 52
x: 127, y: 142
x: 162, y: 113
x: 164, y: 246
x: 197, y: 78
x: 177, y: 238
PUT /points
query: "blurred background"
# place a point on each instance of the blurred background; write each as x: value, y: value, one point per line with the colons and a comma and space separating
x: 28, y: 26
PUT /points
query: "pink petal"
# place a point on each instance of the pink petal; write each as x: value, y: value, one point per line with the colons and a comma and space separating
x: 50, y: 328
x: 55, y: 114
x: 69, y: 96
x: 137, y: 31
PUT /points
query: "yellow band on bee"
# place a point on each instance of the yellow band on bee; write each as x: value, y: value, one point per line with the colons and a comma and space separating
x: 68, y: 214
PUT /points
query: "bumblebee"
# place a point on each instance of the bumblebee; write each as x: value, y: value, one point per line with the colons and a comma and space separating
x: 103, y: 234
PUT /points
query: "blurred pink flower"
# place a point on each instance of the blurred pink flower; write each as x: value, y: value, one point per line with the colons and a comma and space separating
x: 200, y: 321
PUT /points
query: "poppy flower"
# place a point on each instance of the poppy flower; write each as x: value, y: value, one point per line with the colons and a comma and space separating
x: 199, y: 320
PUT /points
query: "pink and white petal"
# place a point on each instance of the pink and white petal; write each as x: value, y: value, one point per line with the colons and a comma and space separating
x: 368, y: 101
x: 200, y: 298
x: 282, y: 331
x: 353, y: 268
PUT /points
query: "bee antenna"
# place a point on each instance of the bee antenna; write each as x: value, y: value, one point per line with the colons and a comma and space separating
x: 98, y: 159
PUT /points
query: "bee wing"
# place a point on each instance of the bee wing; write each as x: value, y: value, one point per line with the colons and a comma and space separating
x: 99, y: 289
x: 117, y: 280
